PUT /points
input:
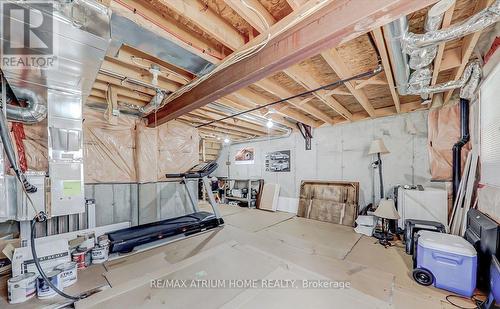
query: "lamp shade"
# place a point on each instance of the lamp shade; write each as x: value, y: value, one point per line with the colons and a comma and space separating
x: 378, y: 146
x: 387, y: 210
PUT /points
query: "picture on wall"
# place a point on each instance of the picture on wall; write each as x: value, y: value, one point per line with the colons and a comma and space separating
x: 245, y: 156
x: 278, y: 161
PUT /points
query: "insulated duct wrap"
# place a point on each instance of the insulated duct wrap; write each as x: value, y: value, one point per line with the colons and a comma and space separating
x: 35, y: 110
x: 155, y: 102
x: 469, y: 82
x: 417, y: 51
x: 477, y: 22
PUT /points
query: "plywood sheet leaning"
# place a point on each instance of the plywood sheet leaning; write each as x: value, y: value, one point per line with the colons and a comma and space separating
x: 269, y: 198
x: 329, y: 201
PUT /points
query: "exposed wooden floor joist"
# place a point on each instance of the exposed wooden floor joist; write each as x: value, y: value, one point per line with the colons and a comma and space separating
x: 336, y: 22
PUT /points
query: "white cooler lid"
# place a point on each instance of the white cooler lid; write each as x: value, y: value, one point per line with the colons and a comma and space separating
x: 446, y: 242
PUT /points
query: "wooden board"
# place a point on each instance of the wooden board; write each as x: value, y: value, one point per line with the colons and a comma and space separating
x: 335, y: 202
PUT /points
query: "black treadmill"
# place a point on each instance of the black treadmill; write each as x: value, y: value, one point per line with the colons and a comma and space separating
x: 124, y: 240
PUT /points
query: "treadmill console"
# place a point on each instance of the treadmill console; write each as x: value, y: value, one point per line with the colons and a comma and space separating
x: 198, y: 171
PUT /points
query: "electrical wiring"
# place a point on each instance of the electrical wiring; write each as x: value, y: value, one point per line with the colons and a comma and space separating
x: 246, y: 53
x: 479, y: 303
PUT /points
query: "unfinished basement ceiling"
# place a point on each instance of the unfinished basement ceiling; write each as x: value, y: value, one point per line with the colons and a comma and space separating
x: 213, y: 29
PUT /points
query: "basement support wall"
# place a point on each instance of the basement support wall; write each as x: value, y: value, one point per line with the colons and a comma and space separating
x: 341, y: 153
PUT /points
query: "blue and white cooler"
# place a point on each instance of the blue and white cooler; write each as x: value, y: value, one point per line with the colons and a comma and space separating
x: 447, y: 261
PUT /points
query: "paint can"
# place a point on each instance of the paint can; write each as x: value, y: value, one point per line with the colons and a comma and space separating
x: 103, y: 240
x: 78, y: 256
x: 43, y: 289
x: 21, y: 288
x: 100, y: 254
x: 88, y: 240
x: 69, y: 273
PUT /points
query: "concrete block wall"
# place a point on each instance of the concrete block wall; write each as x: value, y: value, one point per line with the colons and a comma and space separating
x: 341, y: 153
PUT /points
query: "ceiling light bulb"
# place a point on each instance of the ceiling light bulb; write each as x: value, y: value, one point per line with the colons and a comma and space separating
x: 218, y: 138
x: 269, y: 124
x: 227, y: 140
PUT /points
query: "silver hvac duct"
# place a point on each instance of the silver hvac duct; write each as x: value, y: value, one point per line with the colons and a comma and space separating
x: 153, y: 104
x: 80, y: 33
x: 475, y: 23
x: 413, y: 53
x: 467, y: 83
x: 395, y: 32
x: 35, y: 110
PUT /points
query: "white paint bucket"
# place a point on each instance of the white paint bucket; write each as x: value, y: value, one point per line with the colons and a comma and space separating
x: 43, y: 289
x: 100, y: 254
x: 69, y: 273
x: 21, y: 288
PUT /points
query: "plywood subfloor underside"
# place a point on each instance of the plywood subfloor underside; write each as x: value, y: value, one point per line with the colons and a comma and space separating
x: 256, y: 244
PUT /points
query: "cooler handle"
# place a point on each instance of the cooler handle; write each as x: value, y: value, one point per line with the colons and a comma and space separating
x: 446, y: 259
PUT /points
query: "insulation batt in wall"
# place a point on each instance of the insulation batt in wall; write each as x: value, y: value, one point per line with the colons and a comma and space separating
x: 125, y: 152
x: 108, y: 149
x: 444, y: 132
x: 170, y: 148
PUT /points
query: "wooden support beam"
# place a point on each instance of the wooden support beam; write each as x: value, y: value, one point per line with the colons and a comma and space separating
x: 168, y: 28
x: 207, y: 20
x: 250, y: 16
x: 304, y: 78
x: 277, y: 90
x: 378, y: 37
x: 336, y: 62
x: 327, y: 26
x: 468, y: 44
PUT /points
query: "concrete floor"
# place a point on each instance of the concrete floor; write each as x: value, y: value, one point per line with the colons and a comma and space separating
x: 257, y: 244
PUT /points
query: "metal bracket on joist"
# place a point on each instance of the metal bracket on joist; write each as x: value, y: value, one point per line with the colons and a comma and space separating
x: 306, y: 132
